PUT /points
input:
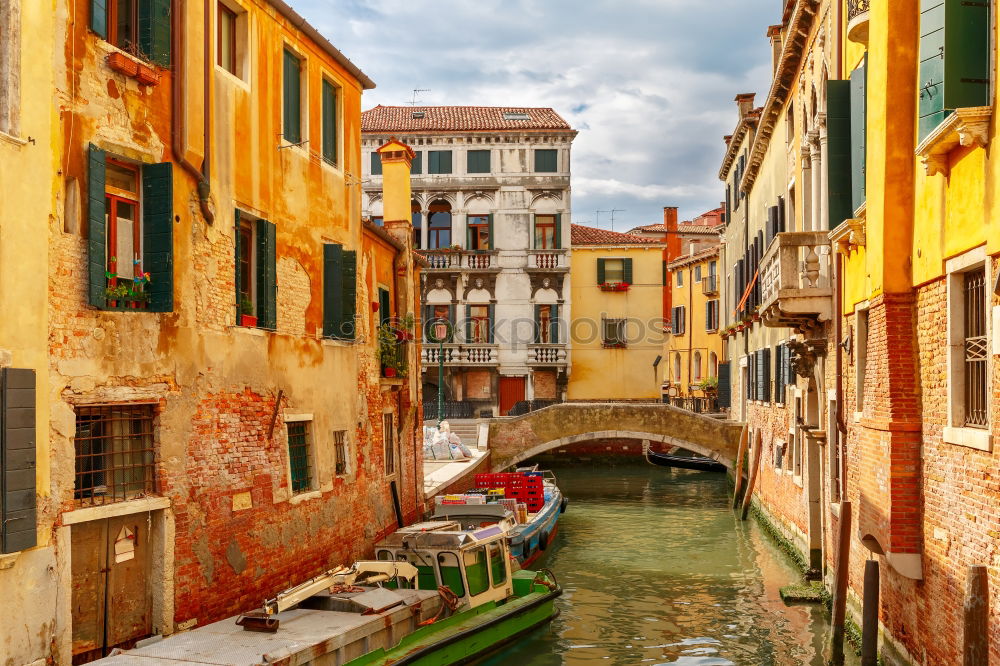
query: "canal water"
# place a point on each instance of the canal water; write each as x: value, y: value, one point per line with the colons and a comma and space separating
x: 656, y: 569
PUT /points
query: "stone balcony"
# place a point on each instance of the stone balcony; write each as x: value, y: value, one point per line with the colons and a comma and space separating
x: 459, y: 260
x: 555, y: 260
x: 857, y: 21
x: 796, y: 287
x: 546, y: 354
x: 460, y: 354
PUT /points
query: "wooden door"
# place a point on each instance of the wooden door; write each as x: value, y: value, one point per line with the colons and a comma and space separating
x: 112, y: 603
x: 511, y: 393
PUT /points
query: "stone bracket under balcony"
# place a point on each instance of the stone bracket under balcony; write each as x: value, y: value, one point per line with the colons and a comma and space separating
x: 965, y: 127
x: 796, y: 286
x: 547, y: 354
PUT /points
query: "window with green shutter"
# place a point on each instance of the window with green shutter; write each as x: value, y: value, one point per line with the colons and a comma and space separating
x: 267, y: 270
x: 339, y: 292
x: 329, y: 122
x: 955, y: 59
x: 838, y: 156
x: 141, y: 27
x: 384, y: 306
x: 859, y: 129
x: 291, y: 98
x: 478, y: 161
x: 157, y: 258
x: 17, y: 460
x: 376, y: 164
x: 416, y: 167
x: 439, y: 161
x: 546, y: 160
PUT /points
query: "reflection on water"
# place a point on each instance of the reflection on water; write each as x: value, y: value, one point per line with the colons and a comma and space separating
x: 656, y: 569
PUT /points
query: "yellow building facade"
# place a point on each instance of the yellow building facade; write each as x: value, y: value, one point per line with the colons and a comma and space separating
x: 617, y: 327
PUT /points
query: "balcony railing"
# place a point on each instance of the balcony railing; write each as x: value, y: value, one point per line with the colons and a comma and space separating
x: 472, y: 354
x: 857, y: 21
x: 710, y: 285
x: 461, y: 259
x: 547, y: 354
x: 795, y: 280
x: 856, y: 8
x: 547, y: 260
x: 393, y: 359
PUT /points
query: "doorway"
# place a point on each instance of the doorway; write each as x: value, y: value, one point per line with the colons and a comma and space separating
x: 512, y: 391
x: 111, y: 596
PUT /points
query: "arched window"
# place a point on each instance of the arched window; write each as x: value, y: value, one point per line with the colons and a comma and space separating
x: 416, y: 218
x: 713, y: 365
x: 696, y: 369
x: 677, y: 368
x: 439, y: 225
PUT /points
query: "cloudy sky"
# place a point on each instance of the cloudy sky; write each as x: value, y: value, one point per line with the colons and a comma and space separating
x: 649, y: 84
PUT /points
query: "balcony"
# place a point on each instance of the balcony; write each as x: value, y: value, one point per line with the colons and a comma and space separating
x: 857, y: 21
x: 556, y: 260
x: 470, y: 354
x: 547, y: 354
x: 796, y: 289
x: 457, y: 260
x: 710, y: 285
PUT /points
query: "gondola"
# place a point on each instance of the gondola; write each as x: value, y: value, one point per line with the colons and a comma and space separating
x: 684, y: 462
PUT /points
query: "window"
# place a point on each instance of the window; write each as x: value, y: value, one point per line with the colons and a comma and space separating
x: 340, y: 452
x: 858, y: 132
x: 256, y: 270
x: 479, y: 324
x: 547, y: 324
x: 680, y: 278
x: 613, y: 332
x: 678, y: 320
x: 861, y: 354
x: 677, y: 368
x: 614, y: 271
x: 416, y: 166
x: 976, y: 348
x: 123, y: 24
x: 713, y: 364
x: 376, y: 163
x: 115, y: 454
x: 10, y: 69
x: 696, y: 366
x: 451, y: 573
x: 516, y: 115
x: 299, y: 454
x: 340, y: 285
x: 378, y: 220
x: 478, y: 161
x: 712, y: 315
x: 141, y: 27
x: 416, y: 216
x: 439, y: 161
x: 292, y: 98
x: 329, y: 122
x: 545, y: 161
x: 697, y: 273
x: 480, y: 232
x: 437, y: 314
x: 121, y: 206
x: 226, y: 39
x: 498, y: 568
x: 439, y: 225
x: 475, y: 570
x: 389, y: 444
x: 18, y: 431
x: 546, y: 232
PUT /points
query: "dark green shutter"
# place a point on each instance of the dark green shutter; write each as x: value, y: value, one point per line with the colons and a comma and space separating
x: 350, y: 293
x: 600, y: 271
x: 99, y: 17
x: 627, y: 271
x: 267, y: 286
x: 493, y: 243
x: 415, y: 166
x: 445, y: 162
x: 17, y: 459
x: 478, y: 161
x: 97, y: 228
x: 154, y: 30
x: 384, y: 307
x: 838, y: 156
x: 433, y: 160
x: 931, y: 80
x: 468, y: 323
x: 329, y: 122
x: 557, y: 234
x: 237, y: 273
x: 546, y: 161
x: 724, y: 394
x: 859, y: 124
x: 376, y: 163
x: 766, y: 389
x: 158, y: 234
x: 428, y: 315
x: 291, y: 98
x: 538, y: 323
x: 664, y: 273
x: 454, y: 323
x: 554, y: 325
x: 492, y: 314
x: 333, y: 275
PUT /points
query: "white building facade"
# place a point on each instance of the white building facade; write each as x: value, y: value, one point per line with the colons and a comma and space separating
x: 491, y: 212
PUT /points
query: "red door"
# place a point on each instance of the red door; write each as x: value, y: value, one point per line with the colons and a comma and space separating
x: 511, y: 393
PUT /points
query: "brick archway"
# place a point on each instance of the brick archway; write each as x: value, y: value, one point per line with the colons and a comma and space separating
x: 617, y: 435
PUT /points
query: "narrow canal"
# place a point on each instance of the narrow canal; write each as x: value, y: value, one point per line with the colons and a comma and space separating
x: 657, y: 569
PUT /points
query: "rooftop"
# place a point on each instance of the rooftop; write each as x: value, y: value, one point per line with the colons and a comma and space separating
x: 459, y: 119
x: 581, y: 235
x: 694, y: 258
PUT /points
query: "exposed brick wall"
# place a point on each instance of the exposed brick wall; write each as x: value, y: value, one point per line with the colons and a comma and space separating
x: 545, y: 384
x: 294, y: 294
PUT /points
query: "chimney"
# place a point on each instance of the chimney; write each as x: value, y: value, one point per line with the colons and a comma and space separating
x: 397, y: 159
x: 744, y: 102
x: 774, y: 33
x: 670, y: 218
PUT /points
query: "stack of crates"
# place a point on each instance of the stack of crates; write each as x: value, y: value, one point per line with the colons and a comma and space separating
x: 525, y: 487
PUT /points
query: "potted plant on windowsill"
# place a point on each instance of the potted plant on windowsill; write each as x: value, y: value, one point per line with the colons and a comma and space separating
x: 391, y: 354
x: 247, y: 317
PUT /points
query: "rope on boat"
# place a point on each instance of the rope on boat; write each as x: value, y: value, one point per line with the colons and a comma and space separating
x: 553, y: 584
x: 449, y: 600
x: 645, y: 452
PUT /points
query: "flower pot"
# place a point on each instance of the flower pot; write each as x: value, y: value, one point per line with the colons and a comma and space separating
x: 147, y: 75
x: 389, y: 372
x: 248, y: 320
x: 120, y: 62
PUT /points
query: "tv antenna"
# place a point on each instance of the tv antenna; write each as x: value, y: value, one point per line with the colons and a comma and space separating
x: 613, y: 211
x: 416, y: 92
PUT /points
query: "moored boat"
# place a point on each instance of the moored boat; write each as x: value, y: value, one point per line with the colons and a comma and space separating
x: 683, y: 462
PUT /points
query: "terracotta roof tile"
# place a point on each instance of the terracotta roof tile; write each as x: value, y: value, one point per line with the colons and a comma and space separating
x: 581, y: 235
x: 700, y: 255
x: 458, y: 119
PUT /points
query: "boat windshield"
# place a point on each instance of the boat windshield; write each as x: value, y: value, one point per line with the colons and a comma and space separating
x: 475, y: 570
x: 497, y: 569
x: 451, y: 573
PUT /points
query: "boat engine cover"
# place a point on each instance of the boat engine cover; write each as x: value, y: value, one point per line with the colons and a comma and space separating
x: 368, y: 602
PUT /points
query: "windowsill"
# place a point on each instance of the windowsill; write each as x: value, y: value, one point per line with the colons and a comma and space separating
x: 336, y: 342
x: 305, y: 497
x: 16, y: 140
x: 249, y: 330
x: 299, y: 149
x: 974, y: 438
x: 797, y: 479
x: 115, y: 509
x: 331, y: 166
x: 233, y: 78
x: 835, y: 509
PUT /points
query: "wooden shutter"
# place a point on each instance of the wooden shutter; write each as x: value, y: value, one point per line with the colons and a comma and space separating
x: 779, y: 375
x: 492, y: 241
x: 859, y: 123
x: 384, y: 306
x: 468, y: 233
x: 349, y: 300
x: 781, y: 215
x: 267, y: 287
x: 97, y: 228
x: 417, y: 163
x: 154, y: 30
x: 664, y: 268
x: 291, y: 98
x: 468, y: 323
x: 451, y: 318
x: 554, y: 325
x: 478, y: 161
x: 17, y: 459
x: 724, y: 395
x: 557, y: 234
x: 491, y: 313
x: 838, y: 155
x: 600, y: 271
x: 433, y: 161
x: 627, y: 271
x: 772, y: 223
x: 99, y: 17
x: 158, y: 234
x: 538, y: 324
x: 445, y: 163
x: 546, y: 161
x: 428, y: 315
x: 329, y: 122
x: 766, y: 389
x: 237, y: 272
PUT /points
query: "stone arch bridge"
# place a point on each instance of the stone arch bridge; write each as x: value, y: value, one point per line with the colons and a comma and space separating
x: 513, y: 439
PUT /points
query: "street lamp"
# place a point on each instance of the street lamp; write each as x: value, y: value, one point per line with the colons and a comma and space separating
x: 439, y: 333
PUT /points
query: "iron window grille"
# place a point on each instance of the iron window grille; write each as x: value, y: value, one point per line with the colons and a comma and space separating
x: 340, y: 451
x: 976, y: 351
x: 115, y: 453
x: 298, y: 456
x: 614, y: 333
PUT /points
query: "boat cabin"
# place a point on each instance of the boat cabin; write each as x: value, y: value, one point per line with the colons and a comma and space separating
x: 474, y: 564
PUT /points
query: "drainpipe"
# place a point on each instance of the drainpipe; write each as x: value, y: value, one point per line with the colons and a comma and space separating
x: 177, y: 126
x: 690, y: 331
x: 837, y: 335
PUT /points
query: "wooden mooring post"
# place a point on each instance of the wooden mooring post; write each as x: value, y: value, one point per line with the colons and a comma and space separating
x: 738, y: 470
x: 840, y: 585
x: 869, y: 615
x: 755, y: 466
x: 975, y: 638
